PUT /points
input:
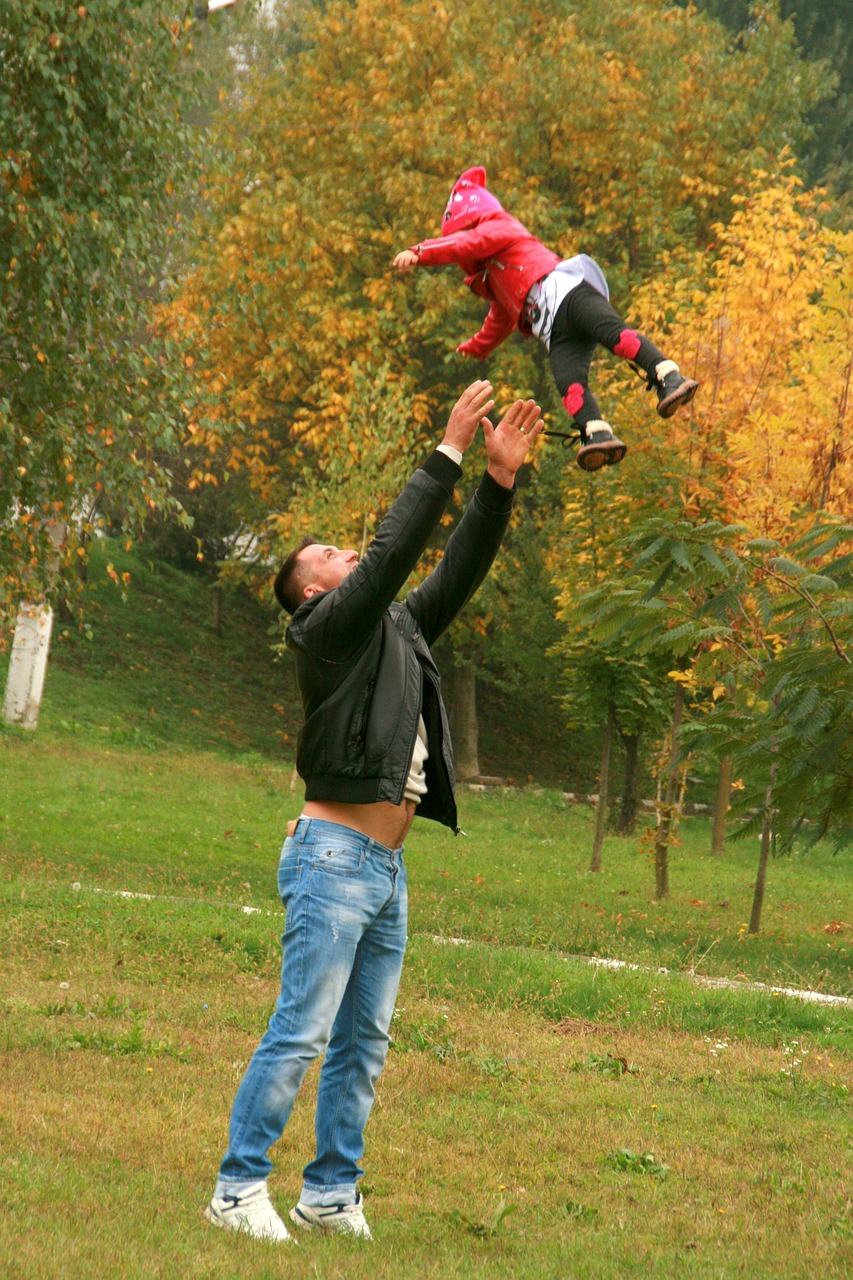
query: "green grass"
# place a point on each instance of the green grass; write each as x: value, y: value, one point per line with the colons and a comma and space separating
x: 150, y: 671
x: 538, y: 1118
x: 193, y: 823
x: 127, y: 1024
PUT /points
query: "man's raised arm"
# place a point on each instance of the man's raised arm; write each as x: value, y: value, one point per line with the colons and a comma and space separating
x: 474, y: 543
x: 334, y: 624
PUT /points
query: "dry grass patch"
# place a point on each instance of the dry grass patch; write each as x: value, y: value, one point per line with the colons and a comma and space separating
x: 479, y: 1112
x: 496, y: 1147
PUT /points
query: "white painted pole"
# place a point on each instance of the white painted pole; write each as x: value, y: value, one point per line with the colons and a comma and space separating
x: 28, y: 665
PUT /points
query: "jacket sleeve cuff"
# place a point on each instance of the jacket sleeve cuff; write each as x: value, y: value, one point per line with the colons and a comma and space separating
x: 494, y: 496
x: 443, y: 469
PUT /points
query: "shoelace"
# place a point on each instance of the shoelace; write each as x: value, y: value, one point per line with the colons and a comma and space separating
x: 567, y: 437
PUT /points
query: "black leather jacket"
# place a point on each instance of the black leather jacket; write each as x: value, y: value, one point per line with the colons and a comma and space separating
x: 363, y: 661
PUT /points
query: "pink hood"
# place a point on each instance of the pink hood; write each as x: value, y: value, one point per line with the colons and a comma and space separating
x: 469, y: 202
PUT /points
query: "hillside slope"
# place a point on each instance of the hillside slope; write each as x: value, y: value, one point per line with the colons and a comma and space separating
x: 150, y: 670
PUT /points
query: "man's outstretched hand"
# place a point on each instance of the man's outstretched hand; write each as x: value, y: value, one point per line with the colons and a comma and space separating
x: 465, y: 417
x: 508, y: 443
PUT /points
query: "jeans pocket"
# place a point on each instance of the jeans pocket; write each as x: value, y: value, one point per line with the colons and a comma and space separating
x: 338, y: 859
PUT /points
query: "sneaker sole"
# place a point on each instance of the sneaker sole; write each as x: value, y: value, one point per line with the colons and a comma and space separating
x: 682, y: 395
x: 592, y: 457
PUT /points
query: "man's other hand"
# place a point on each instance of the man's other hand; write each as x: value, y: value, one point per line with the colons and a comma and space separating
x: 508, y: 443
x: 470, y: 408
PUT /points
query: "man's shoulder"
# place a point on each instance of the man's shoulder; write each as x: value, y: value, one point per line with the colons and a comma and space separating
x: 304, y: 644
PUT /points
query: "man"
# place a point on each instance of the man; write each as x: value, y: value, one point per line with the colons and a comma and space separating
x: 374, y: 749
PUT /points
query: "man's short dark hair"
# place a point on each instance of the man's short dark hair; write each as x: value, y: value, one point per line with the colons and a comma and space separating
x: 292, y: 577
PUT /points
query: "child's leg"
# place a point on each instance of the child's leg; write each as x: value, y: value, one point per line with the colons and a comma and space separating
x: 589, y: 313
x: 571, y: 353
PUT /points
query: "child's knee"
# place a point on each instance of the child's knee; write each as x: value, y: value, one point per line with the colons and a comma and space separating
x: 628, y: 345
x: 573, y: 399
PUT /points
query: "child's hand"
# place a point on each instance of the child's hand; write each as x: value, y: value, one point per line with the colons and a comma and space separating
x: 405, y: 260
x: 467, y: 349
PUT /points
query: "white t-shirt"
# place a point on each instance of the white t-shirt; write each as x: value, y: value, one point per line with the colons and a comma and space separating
x: 544, y: 299
x: 416, y: 786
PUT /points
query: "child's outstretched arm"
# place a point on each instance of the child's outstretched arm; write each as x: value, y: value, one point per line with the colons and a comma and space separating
x: 463, y: 247
x: 470, y: 249
x: 497, y: 326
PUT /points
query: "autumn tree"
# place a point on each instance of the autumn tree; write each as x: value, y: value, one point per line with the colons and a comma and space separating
x: 824, y: 34
x: 764, y: 319
x: 91, y: 142
x: 344, y: 152
x: 340, y: 149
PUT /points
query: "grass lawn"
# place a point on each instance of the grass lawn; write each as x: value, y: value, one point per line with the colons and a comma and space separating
x: 194, y: 823
x: 538, y: 1117
x: 151, y: 671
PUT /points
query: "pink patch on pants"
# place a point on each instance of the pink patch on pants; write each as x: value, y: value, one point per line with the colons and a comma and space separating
x: 573, y: 399
x: 628, y: 344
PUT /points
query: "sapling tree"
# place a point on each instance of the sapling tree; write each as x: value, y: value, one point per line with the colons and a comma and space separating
x: 779, y: 616
x: 604, y: 684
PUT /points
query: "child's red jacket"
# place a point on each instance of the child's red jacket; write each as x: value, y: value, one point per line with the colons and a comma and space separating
x: 501, y: 261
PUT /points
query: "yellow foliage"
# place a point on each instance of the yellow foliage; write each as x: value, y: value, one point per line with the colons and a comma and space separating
x: 347, y: 152
x: 765, y: 321
x: 686, y: 678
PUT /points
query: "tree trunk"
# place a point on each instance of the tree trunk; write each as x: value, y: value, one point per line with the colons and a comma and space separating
x: 721, y: 806
x: 464, y: 726
x: 603, y: 788
x: 28, y: 665
x: 217, y: 610
x: 764, y: 855
x: 628, y: 811
x: 30, y: 648
x: 662, y: 842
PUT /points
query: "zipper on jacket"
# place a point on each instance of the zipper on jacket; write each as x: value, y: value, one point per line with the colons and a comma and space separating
x: 443, y: 756
x: 358, y: 732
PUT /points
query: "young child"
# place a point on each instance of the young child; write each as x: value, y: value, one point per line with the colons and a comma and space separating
x: 564, y: 303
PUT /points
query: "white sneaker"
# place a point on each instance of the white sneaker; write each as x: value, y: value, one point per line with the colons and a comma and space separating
x: 251, y: 1211
x: 347, y: 1218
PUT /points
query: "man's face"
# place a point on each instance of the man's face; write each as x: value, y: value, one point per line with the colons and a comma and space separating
x: 326, y: 567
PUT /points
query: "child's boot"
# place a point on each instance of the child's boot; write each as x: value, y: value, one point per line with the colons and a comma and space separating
x: 673, y: 390
x: 599, y: 446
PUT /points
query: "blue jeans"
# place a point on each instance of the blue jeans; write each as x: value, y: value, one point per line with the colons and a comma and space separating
x: 343, y: 944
